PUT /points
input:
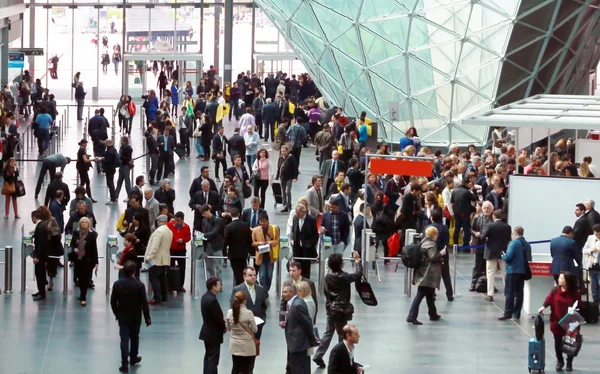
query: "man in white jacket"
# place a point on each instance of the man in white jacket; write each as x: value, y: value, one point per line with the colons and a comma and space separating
x: 158, y: 256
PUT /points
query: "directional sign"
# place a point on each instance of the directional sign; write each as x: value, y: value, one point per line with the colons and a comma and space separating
x: 394, y: 113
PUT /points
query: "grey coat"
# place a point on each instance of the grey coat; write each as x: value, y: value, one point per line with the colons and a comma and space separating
x: 313, y: 201
x: 429, y: 273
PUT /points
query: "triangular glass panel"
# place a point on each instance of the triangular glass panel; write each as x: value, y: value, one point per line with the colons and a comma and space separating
x: 445, y: 56
x: 421, y: 75
x: 348, y: 8
x: 493, y: 38
x: 361, y: 90
x: 423, y: 34
x: 469, y: 135
x: 348, y: 44
x: 484, y: 18
x: 465, y: 100
x: 349, y: 69
x: 394, y: 31
x: 434, y: 132
x: 385, y: 93
x: 430, y: 100
x: 299, y: 43
x: 304, y: 18
x: 507, y: 7
x: 454, y: 18
x: 288, y: 7
x: 316, y: 46
x: 332, y: 24
x: 382, y: 9
x: 392, y: 71
x: 375, y: 48
x: 329, y: 65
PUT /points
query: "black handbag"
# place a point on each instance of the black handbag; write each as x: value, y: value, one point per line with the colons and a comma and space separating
x: 20, y: 188
x: 365, y: 291
x: 246, y: 190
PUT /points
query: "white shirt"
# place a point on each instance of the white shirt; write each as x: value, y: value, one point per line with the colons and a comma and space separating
x: 350, y: 353
x: 221, y: 101
x: 251, y: 291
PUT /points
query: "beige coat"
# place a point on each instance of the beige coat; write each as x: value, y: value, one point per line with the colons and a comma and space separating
x: 240, y: 342
x: 159, y: 246
x: 258, y: 238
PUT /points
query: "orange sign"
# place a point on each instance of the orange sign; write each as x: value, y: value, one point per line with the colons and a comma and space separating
x: 415, y: 168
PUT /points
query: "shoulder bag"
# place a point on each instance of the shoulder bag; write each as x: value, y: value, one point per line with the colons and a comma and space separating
x: 246, y: 190
x: 20, y: 188
x: 8, y: 189
x: 528, y: 274
x: 256, y: 341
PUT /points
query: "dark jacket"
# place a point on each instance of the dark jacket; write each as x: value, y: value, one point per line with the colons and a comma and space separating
x: 151, y: 144
x: 247, y: 215
x: 237, y: 146
x: 79, y: 93
x: 496, y: 237
x: 213, y: 323
x: 211, y: 109
x: 198, y: 200
x: 339, y: 361
x: 564, y: 252
x: 128, y: 301
x: 283, y: 302
x: 299, y: 333
x: 343, y: 222
x: 53, y: 187
x: 111, y: 160
x: 408, y: 213
x: 91, y: 246
x: 337, y: 291
x: 75, y: 217
x: 213, y: 232
x: 165, y: 197
x: 259, y: 306
x: 126, y: 153
x: 237, y: 240
x: 219, y: 146
x: 593, y: 217
x: 517, y: 255
x: 581, y: 231
x: 269, y: 113
x: 462, y: 200
x: 197, y: 186
x: 57, y: 211
x: 308, y: 237
x: 287, y: 169
x: 41, y: 242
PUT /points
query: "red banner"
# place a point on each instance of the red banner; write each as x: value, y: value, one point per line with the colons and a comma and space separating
x: 540, y: 269
x: 416, y: 168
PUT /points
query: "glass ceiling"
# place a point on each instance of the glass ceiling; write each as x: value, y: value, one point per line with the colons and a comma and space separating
x: 439, y: 60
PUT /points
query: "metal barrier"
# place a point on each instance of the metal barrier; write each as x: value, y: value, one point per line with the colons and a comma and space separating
x: 111, y: 242
x: 26, y: 242
x: 8, y: 268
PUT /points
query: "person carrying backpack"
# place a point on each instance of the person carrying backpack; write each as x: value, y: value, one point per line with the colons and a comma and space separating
x: 427, y: 274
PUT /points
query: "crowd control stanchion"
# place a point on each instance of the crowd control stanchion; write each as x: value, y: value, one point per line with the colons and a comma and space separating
x: 111, y: 242
x: 26, y: 242
x: 8, y: 269
x: 193, y: 270
x: 284, y: 251
x: 454, y: 252
x: 326, y: 248
x: 68, y: 239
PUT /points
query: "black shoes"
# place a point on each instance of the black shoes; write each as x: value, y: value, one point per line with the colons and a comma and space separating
x: 135, y: 361
x: 414, y: 321
x: 569, y: 366
x: 504, y: 317
x: 450, y: 298
x: 320, y: 363
x: 559, y: 365
x: 39, y: 297
x: 286, y: 210
x: 124, y: 369
x: 435, y: 318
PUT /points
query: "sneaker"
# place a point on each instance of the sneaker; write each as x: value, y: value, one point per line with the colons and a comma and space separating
x: 110, y: 202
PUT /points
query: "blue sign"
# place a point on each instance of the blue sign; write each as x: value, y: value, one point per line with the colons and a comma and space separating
x: 16, y: 60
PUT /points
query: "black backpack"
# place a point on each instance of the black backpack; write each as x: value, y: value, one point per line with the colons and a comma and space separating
x: 411, y: 255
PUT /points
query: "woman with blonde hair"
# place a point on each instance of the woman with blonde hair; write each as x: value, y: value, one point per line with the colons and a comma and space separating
x: 240, y: 323
x: 84, y: 256
x: 10, y: 174
x: 584, y: 171
x: 305, y: 293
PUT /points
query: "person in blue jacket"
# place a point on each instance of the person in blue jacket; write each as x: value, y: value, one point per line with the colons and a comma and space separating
x: 517, y: 257
x: 175, y: 95
x: 410, y: 138
x: 564, y: 253
x: 363, y: 133
x: 151, y: 105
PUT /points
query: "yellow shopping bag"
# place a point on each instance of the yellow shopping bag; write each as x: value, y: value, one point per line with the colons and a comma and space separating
x: 120, y: 225
x: 451, y: 230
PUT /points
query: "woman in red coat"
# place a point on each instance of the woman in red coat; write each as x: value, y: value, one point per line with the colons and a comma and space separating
x: 560, y: 299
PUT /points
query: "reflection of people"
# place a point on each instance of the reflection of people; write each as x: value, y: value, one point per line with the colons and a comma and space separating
x: 54, y: 68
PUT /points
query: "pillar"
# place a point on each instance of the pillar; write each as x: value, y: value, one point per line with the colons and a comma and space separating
x: 4, y: 54
x: 217, y: 32
x: 228, y: 52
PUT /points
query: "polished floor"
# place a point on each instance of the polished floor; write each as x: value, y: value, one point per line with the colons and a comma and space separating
x: 59, y: 336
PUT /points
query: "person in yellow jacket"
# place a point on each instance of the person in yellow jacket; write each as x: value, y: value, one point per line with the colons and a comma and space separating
x: 265, y: 234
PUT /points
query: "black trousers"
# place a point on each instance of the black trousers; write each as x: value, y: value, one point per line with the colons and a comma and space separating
x: 259, y: 124
x: 84, y: 275
x: 220, y: 162
x: 212, y: 355
x: 262, y: 186
x: 40, y: 276
x: 299, y: 362
x: 47, y: 166
x: 164, y: 164
x: 478, y: 267
x: 110, y: 183
x: 242, y: 364
x: 129, y: 333
x: 158, y: 281
x: 423, y: 292
x: 296, y: 151
x: 153, y: 166
x: 463, y: 221
x: 180, y: 262
x: 558, y: 348
x: 304, y: 264
x: 446, y: 275
x: 237, y: 266
x: 335, y: 323
x: 184, y: 139
x: 84, y: 180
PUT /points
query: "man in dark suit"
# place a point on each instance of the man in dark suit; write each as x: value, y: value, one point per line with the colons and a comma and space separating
x: 564, y: 253
x: 213, y: 325
x: 166, y: 144
x: 591, y: 214
x: 237, y: 243
x: 256, y: 297
x: 40, y: 254
x: 296, y: 274
x: 330, y: 169
x: 197, y: 182
x: 128, y: 301
x: 299, y: 333
x: 442, y: 242
x: 496, y: 237
x: 219, y: 144
x: 204, y: 197
x: 410, y: 209
x: 341, y: 358
x: 304, y: 238
x: 581, y: 229
x: 462, y: 200
x: 269, y: 117
x: 212, y: 230
x: 495, y: 196
x: 237, y: 145
x: 57, y: 185
x: 250, y: 215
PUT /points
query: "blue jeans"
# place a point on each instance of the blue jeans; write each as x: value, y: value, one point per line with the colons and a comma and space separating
x: 199, y: 147
x: 265, y: 271
x: 250, y: 160
x: 513, y: 291
x: 595, y: 281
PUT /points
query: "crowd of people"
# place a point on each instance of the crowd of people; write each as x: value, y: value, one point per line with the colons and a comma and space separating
x: 463, y: 202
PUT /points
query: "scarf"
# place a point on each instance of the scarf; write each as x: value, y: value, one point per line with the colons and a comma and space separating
x: 125, y: 251
x: 81, y: 243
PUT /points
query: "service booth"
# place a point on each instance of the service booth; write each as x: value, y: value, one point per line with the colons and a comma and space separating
x: 272, y: 62
x: 544, y: 205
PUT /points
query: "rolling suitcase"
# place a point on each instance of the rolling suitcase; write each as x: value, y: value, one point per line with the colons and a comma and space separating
x: 277, y: 193
x: 537, y: 347
x: 589, y: 310
x: 174, y: 278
